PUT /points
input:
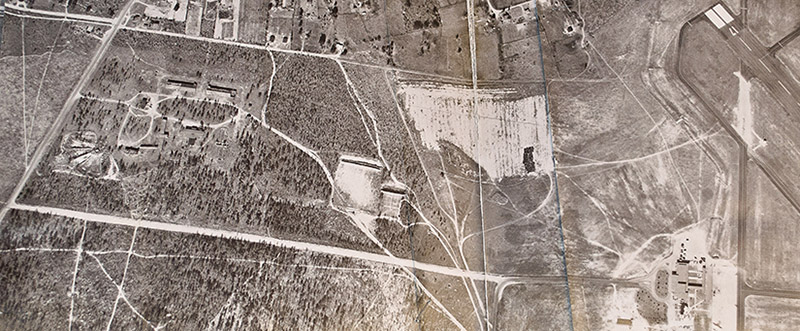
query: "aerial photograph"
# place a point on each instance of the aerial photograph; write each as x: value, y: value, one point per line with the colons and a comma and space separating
x: 487, y: 165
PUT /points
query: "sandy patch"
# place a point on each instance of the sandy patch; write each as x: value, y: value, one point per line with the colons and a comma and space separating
x: 505, y: 125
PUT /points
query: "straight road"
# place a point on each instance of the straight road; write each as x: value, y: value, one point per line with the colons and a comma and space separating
x: 73, y: 98
x: 181, y: 228
x: 771, y: 293
x: 53, y: 14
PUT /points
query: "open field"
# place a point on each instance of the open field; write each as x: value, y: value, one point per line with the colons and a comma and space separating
x: 36, y: 85
x: 253, y: 19
x: 773, y: 19
x: 419, y: 47
x: 775, y: 139
x: 766, y: 313
x: 524, y: 306
x: 600, y: 307
x: 771, y: 229
x: 708, y: 63
x: 103, y: 8
x: 789, y: 55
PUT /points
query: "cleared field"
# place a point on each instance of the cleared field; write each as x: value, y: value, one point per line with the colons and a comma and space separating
x: 457, y: 296
x: 253, y: 19
x: 533, y: 307
x: 35, y: 87
x: 766, y: 313
x: 708, y: 63
x: 599, y: 306
x: 104, y: 8
x: 772, y: 227
x: 771, y: 20
x: 775, y: 133
x: 507, y: 124
x: 789, y: 55
x: 50, y: 5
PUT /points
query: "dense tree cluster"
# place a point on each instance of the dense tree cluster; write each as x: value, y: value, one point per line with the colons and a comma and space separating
x: 201, y: 111
x: 325, y: 118
x: 250, y: 295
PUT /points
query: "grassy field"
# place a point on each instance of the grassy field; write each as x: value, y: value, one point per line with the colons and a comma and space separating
x: 789, y: 55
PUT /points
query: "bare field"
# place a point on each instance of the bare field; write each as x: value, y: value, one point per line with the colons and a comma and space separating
x: 789, y: 55
x: 773, y: 19
x: 766, y: 313
x: 597, y: 306
x: 708, y: 63
x: 772, y: 229
x: 103, y: 8
x: 775, y: 137
x: 533, y: 307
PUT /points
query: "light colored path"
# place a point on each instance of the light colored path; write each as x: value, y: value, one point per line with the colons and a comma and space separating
x: 181, y: 228
x: 90, y: 18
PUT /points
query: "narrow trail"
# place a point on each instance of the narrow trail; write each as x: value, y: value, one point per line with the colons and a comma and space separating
x: 72, y: 293
x: 120, y: 288
x: 474, y: 67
